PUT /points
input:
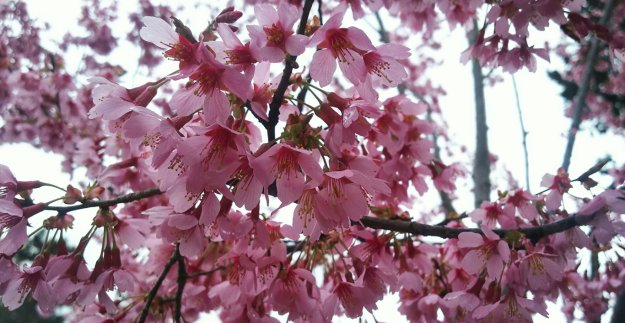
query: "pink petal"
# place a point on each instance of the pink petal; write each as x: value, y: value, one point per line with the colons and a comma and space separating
x: 323, y: 66
x: 470, y: 240
x: 354, y: 70
x: 158, y: 32
x: 472, y: 262
x: 210, y: 209
x: 296, y: 44
x: 216, y: 108
x: 184, y: 101
x: 182, y: 221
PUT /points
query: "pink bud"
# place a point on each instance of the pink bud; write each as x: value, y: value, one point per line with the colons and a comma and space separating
x: 146, y: 96
x: 227, y: 9
x: 28, y: 185
x: 228, y: 17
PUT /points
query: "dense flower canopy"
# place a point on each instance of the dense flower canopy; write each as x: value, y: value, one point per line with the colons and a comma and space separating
x: 256, y: 179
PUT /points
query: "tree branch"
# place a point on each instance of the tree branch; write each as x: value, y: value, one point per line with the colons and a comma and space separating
x: 106, y: 203
x: 182, y: 280
x: 290, y: 63
x: 157, y: 285
x: 481, y: 164
x: 533, y: 233
x: 584, y: 86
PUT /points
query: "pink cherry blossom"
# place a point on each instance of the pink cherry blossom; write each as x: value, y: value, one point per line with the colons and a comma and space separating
x: 487, y: 251
x: 161, y: 34
x: 208, y: 81
x: 285, y: 164
x: 558, y: 185
x: 275, y: 36
x: 347, y: 45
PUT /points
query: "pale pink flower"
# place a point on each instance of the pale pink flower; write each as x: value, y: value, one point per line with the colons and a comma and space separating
x: 275, y: 37
x: 347, y: 45
x: 487, y: 251
x: 491, y: 213
x: 541, y: 270
x: 231, y: 51
x: 382, y: 64
x: 112, y: 101
x: 522, y: 201
x: 294, y: 291
x: 354, y: 298
x: 31, y: 281
x: 285, y: 164
x: 558, y: 185
x: 460, y: 305
x: 207, y: 83
x: 512, y: 308
x: 341, y: 198
x: 161, y: 34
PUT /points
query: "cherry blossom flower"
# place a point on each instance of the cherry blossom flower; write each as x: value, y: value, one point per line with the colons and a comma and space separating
x: 160, y: 33
x: 341, y: 199
x: 486, y: 251
x: 541, y: 270
x: 231, y: 51
x: 347, y: 45
x: 522, y: 201
x: 382, y: 64
x: 275, y: 35
x: 208, y: 81
x: 491, y: 213
x: 294, y: 292
x: 284, y: 164
x: 31, y: 281
x: 558, y: 185
x: 512, y: 308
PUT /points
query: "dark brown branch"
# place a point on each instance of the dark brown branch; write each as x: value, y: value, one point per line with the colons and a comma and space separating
x: 182, y: 280
x: 532, y: 233
x: 152, y: 294
x: 290, y: 63
x: 106, y: 203
x: 584, y: 86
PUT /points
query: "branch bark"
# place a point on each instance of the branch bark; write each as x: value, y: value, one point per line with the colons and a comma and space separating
x: 106, y: 203
x: 152, y: 294
x: 481, y: 164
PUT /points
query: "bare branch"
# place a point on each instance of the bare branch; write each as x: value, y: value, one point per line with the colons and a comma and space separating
x: 152, y: 294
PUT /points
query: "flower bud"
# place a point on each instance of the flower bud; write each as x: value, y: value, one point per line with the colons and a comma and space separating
x: 228, y: 17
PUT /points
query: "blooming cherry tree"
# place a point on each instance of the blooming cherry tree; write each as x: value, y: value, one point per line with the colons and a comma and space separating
x: 251, y: 179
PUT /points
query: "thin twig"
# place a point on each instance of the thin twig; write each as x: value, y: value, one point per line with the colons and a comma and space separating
x: 523, y: 134
x: 182, y: 280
